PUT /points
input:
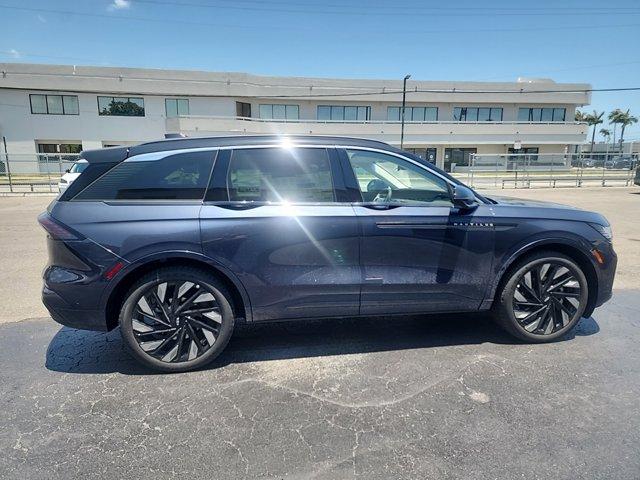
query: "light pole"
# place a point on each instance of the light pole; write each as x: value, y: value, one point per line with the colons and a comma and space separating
x: 404, y: 98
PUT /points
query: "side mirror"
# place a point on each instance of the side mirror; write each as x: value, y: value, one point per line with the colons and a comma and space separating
x: 67, y: 170
x: 464, y: 198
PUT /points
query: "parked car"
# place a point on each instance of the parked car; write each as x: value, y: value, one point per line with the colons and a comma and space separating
x: 71, y: 174
x: 636, y: 178
x: 591, y: 163
x: 176, y: 241
x: 620, y: 163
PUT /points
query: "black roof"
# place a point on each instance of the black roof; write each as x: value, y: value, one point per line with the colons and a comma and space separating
x: 115, y: 154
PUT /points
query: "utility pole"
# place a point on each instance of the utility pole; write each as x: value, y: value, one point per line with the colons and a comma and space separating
x: 404, y: 100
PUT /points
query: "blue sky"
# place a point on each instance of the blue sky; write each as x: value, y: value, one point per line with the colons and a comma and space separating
x: 577, y: 41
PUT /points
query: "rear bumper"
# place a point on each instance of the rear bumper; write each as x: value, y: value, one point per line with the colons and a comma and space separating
x: 67, y: 315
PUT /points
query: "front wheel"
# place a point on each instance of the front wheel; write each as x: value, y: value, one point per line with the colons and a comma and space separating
x: 544, y: 297
x: 176, y: 319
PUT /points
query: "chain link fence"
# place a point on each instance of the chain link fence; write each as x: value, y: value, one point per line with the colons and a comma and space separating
x: 548, y: 170
x: 39, y: 172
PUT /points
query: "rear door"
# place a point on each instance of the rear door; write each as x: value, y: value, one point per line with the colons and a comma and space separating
x: 418, y: 253
x: 280, y: 220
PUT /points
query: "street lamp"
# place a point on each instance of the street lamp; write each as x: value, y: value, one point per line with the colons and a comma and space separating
x: 404, y: 98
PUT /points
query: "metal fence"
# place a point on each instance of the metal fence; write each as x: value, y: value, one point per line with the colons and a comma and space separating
x: 42, y: 172
x: 548, y: 170
x: 33, y: 172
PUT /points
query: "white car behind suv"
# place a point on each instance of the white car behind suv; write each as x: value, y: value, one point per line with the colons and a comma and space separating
x: 71, y: 174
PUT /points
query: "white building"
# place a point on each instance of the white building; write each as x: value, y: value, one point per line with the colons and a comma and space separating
x: 63, y: 108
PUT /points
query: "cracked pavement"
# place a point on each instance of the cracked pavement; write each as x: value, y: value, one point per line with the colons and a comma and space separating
x: 413, y: 397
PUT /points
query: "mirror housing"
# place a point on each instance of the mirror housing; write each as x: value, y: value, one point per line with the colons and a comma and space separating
x: 464, y: 198
x: 67, y: 170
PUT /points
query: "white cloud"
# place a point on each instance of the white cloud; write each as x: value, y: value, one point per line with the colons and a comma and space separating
x: 14, y: 53
x: 119, y: 5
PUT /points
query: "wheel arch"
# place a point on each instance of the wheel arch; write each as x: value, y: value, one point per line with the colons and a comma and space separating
x: 239, y: 298
x: 572, y: 251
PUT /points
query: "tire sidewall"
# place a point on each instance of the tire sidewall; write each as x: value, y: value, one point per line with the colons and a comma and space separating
x: 506, y: 300
x: 132, y: 298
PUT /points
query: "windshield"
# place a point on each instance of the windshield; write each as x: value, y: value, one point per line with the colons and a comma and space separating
x: 78, y: 167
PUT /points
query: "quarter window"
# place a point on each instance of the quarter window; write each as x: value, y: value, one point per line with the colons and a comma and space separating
x: 175, y: 107
x: 413, y: 114
x: 121, y: 106
x: 280, y: 175
x: 182, y: 176
x: 385, y: 178
x: 280, y: 112
x: 477, y: 114
x: 548, y: 114
x: 54, y: 104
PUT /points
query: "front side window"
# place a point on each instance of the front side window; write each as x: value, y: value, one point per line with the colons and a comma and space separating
x: 176, y: 107
x: 183, y: 176
x: 54, y: 104
x: 385, y: 178
x: 279, y: 112
x: 280, y: 175
x: 121, y: 106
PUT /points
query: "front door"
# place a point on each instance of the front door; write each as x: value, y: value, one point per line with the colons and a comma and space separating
x: 417, y: 252
x: 277, y: 218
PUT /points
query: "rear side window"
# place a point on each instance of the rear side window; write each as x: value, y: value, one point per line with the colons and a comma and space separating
x: 279, y: 175
x: 183, y: 176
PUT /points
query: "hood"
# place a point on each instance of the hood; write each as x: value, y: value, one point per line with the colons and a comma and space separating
x: 529, y: 203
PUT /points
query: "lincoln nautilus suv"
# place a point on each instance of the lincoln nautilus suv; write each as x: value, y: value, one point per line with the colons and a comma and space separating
x: 177, y: 241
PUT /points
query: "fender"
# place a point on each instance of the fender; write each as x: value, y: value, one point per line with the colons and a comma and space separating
x: 535, y: 241
x: 177, y: 254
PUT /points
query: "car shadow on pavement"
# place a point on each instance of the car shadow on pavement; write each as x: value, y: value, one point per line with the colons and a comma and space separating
x: 79, y: 351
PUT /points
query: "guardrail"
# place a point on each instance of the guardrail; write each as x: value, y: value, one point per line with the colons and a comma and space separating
x: 548, y: 170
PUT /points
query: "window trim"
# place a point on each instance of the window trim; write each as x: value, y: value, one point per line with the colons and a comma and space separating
x: 46, y: 102
x: 112, y: 97
x: 170, y: 201
x: 174, y: 99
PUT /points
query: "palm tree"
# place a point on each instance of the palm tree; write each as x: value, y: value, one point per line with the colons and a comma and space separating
x: 613, y: 120
x: 606, y: 134
x: 593, y: 120
x: 625, y: 119
x: 579, y: 116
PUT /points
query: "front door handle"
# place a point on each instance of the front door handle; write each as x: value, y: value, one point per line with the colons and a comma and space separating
x: 380, y: 206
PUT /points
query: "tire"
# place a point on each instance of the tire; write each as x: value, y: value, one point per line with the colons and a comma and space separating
x: 169, y: 322
x: 559, y: 308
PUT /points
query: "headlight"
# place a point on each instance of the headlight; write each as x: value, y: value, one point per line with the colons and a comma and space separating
x: 604, y: 230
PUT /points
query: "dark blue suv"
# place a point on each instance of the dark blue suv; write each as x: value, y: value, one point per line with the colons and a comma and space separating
x: 175, y: 241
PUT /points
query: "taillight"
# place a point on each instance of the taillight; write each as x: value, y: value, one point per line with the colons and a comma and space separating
x: 56, y: 229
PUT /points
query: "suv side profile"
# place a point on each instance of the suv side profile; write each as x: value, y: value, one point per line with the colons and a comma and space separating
x: 175, y: 241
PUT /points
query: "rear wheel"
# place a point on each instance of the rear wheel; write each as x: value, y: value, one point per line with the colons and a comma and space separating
x: 176, y: 319
x: 543, y: 297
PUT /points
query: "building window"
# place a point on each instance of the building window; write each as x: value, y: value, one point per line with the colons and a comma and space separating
x: 457, y: 157
x: 280, y: 112
x: 477, y: 114
x: 413, y: 114
x: 176, y: 107
x: 243, y: 109
x: 547, y: 114
x: 121, y: 106
x: 54, y: 104
x: 344, y: 112
x: 51, y: 154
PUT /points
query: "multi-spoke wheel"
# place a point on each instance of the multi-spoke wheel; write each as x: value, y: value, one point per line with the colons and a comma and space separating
x: 176, y: 319
x: 543, y: 298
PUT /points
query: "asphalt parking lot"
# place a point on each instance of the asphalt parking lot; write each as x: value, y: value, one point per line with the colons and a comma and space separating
x: 416, y: 397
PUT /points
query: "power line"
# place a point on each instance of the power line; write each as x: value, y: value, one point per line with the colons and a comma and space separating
x: 282, y: 28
